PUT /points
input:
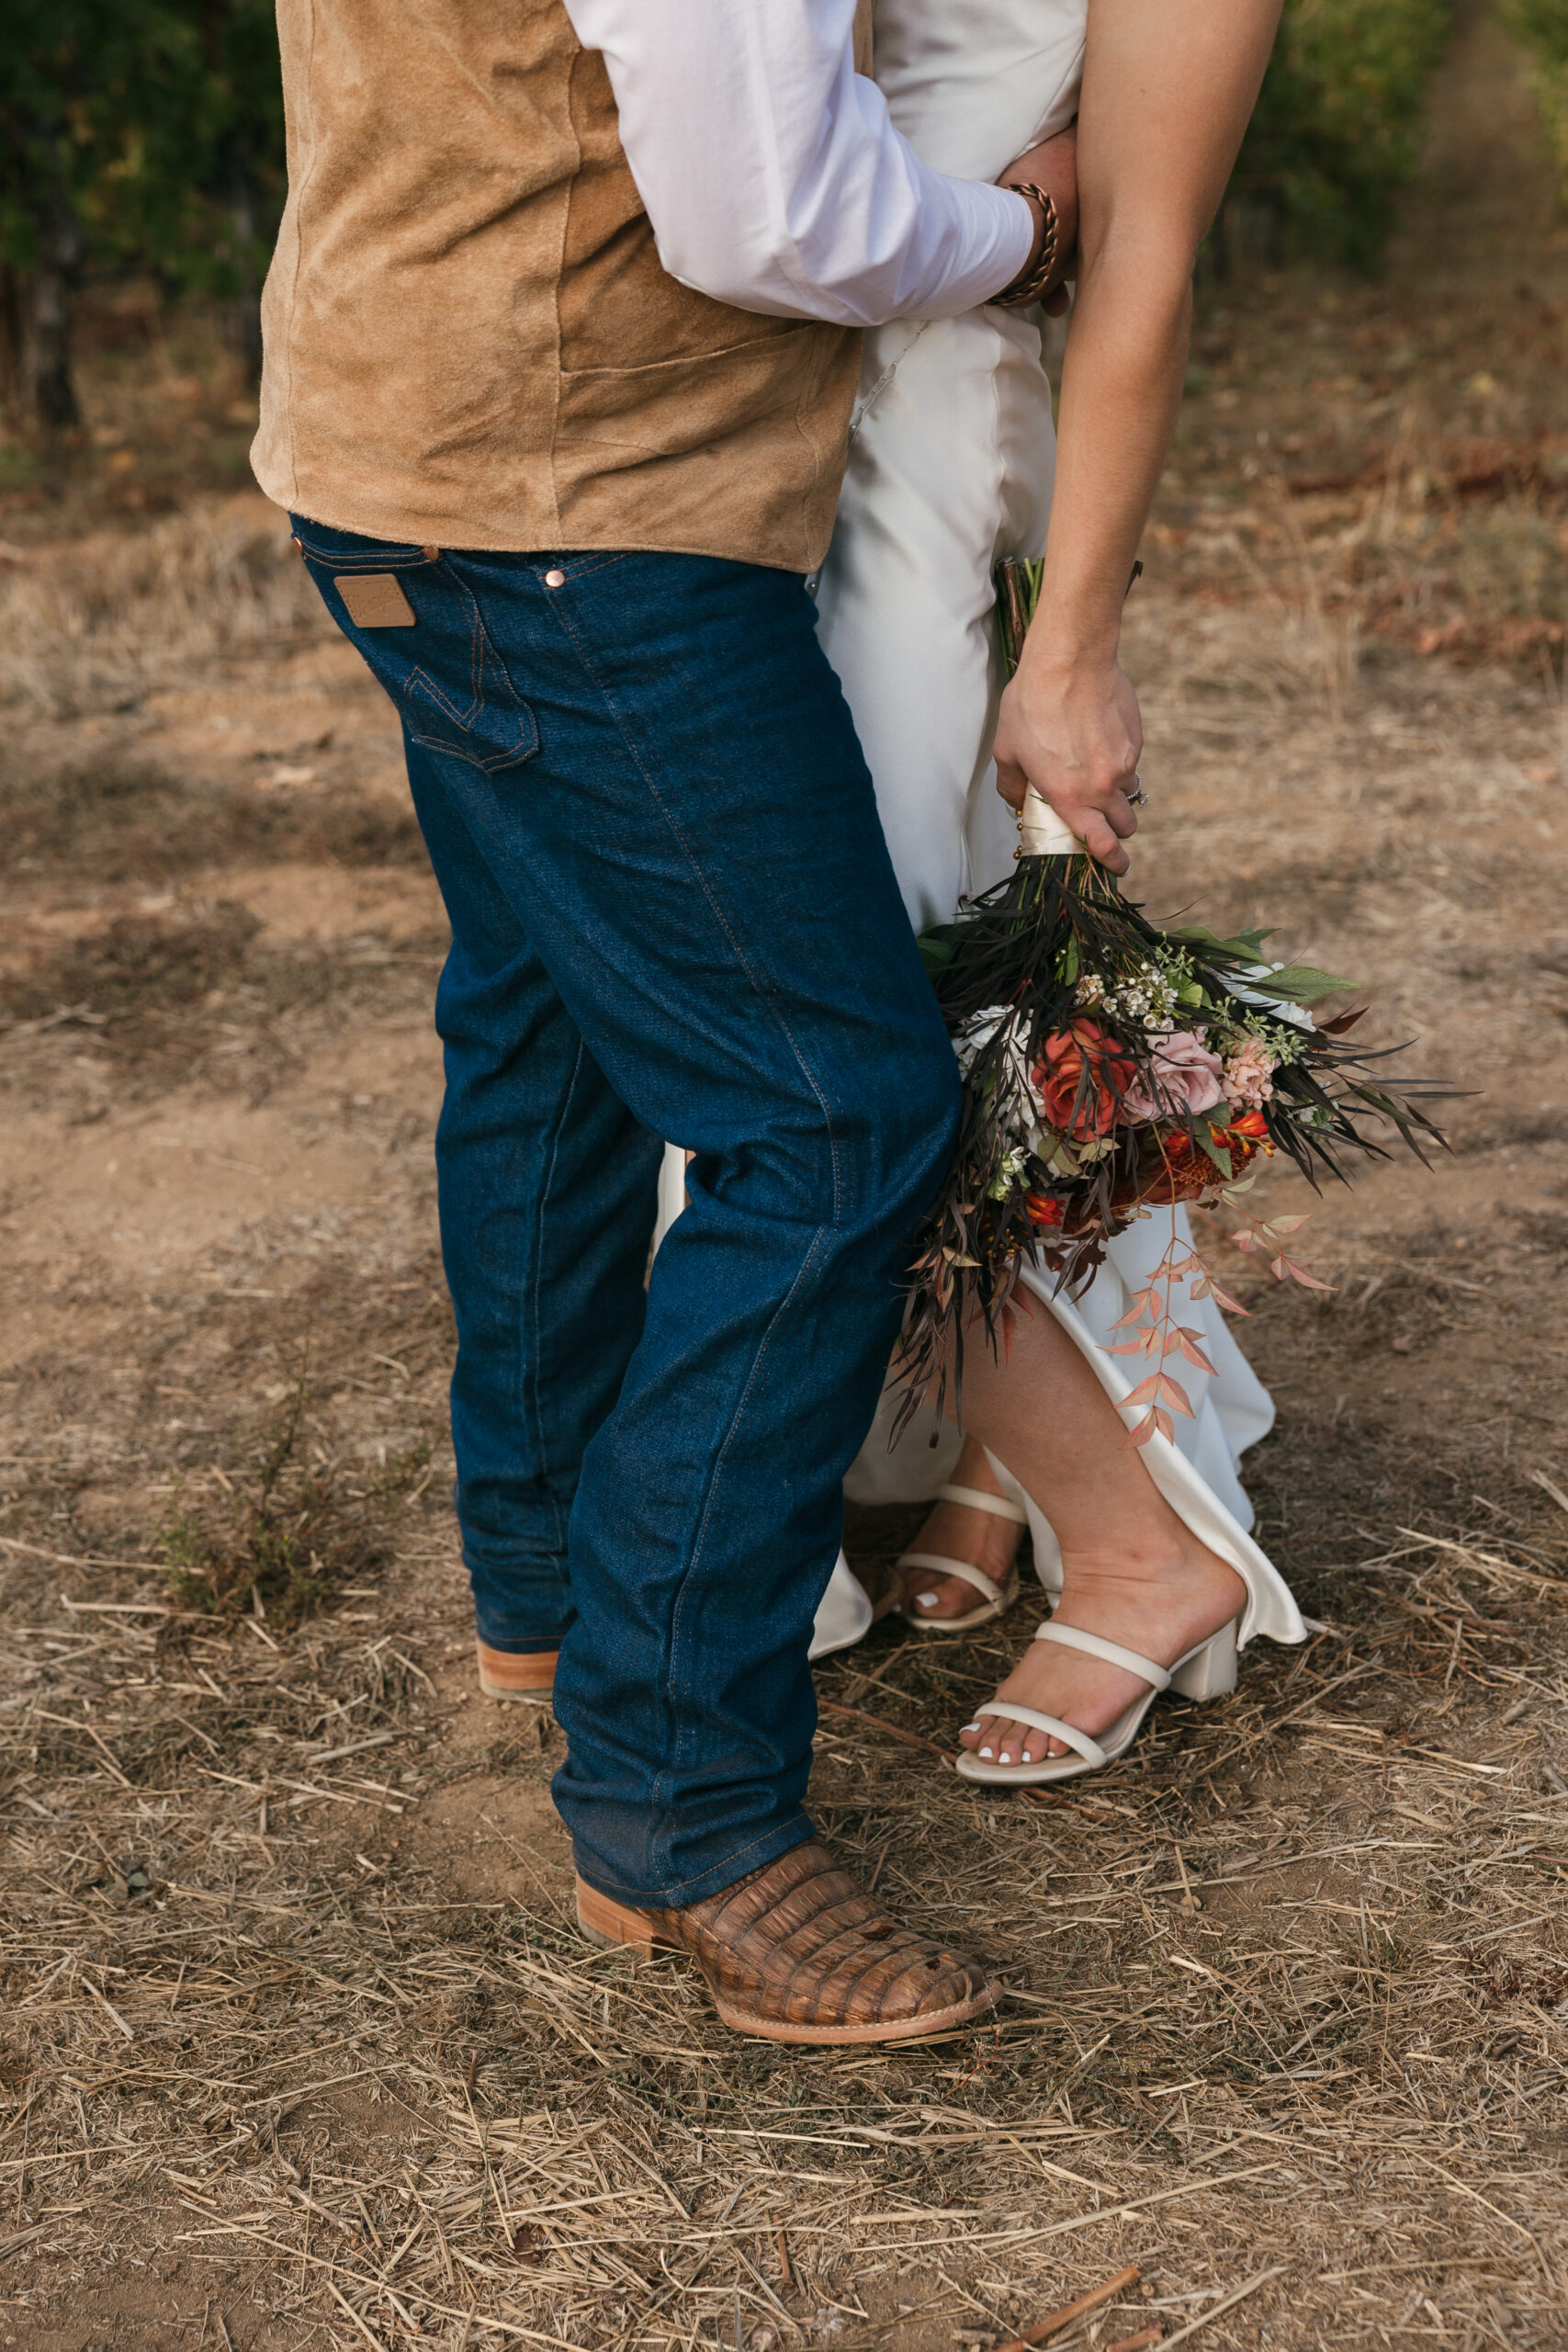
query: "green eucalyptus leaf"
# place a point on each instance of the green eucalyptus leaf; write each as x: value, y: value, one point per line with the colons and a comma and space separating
x: 1245, y: 943
x: 1300, y: 984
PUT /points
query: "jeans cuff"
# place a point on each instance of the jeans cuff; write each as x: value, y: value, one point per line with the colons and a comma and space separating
x: 521, y: 1610
x: 737, y: 1862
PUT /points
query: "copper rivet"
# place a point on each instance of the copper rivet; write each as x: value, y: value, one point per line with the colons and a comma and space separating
x: 430, y: 554
x: 555, y: 580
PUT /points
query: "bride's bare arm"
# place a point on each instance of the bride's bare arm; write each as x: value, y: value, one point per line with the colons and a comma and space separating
x: 1166, y: 92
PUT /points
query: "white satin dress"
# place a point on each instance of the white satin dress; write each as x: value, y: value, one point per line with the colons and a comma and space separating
x: 951, y: 459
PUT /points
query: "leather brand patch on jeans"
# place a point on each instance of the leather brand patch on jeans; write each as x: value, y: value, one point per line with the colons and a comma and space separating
x: 374, y: 600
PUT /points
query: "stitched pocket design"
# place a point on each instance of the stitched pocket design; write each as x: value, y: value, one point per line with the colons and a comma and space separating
x: 445, y: 674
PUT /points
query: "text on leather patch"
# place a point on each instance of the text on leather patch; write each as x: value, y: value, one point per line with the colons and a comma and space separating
x: 374, y: 600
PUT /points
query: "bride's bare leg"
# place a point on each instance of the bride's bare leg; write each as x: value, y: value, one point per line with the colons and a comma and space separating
x: 1132, y: 1571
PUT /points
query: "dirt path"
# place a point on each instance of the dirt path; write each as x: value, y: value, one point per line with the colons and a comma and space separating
x: 296, y: 2045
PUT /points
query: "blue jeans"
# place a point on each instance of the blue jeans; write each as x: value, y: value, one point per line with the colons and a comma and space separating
x: 672, y: 914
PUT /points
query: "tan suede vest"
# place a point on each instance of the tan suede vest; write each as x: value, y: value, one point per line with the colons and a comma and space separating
x: 470, y: 338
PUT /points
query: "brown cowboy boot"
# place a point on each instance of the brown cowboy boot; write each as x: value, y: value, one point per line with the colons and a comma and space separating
x: 796, y: 1953
x: 506, y: 1675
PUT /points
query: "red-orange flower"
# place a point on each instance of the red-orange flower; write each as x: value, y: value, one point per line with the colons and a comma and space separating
x: 1043, y: 1210
x: 1184, y: 1169
x: 1242, y: 1139
x: 1080, y: 1080
x: 1181, y: 1172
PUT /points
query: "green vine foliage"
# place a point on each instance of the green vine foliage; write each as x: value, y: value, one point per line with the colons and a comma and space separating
x: 140, y: 137
x: 1338, y: 127
x: 150, y: 136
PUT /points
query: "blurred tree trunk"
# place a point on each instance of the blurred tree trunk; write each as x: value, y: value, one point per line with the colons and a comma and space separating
x: 45, y: 348
x: 247, y: 333
x: 45, y: 293
x: 10, y: 335
x: 246, y: 309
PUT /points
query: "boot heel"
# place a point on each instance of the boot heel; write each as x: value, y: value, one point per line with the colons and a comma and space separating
x: 603, y: 1921
x: 1211, y: 1672
x: 528, y: 1679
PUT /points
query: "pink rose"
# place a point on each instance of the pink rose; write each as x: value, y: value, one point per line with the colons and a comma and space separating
x: 1247, y: 1074
x: 1184, y: 1078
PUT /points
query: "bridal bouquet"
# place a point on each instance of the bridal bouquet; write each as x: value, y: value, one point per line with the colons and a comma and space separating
x: 1111, y: 1067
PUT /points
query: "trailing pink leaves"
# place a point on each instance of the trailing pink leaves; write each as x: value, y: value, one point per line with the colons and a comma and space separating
x: 1265, y: 1240
x: 1154, y: 1333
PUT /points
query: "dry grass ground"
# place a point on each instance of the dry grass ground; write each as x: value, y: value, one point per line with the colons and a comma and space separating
x: 298, y: 2045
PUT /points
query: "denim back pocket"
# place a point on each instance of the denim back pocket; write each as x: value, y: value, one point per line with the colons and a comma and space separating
x: 420, y: 628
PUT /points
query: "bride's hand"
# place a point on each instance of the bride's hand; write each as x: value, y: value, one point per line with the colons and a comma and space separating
x: 1072, y: 730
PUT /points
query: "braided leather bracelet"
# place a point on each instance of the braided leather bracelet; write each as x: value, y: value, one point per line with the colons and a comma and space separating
x: 1032, y: 282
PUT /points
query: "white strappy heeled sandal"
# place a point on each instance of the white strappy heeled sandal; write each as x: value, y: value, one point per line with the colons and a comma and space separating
x: 1207, y: 1671
x: 996, y: 1596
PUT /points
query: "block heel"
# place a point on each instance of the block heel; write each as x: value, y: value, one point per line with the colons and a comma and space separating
x: 526, y: 1679
x: 1210, y: 1672
x: 605, y: 1921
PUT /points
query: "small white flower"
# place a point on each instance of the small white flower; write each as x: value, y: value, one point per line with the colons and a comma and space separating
x: 1013, y: 1164
x: 1016, y: 1109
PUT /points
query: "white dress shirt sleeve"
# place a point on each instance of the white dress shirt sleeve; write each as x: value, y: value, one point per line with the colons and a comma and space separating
x: 773, y: 175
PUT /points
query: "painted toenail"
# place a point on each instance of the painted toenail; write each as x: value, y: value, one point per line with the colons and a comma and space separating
x: 985, y: 1751
x: 975, y: 1726
x: 1006, y: 1756
x: 925, y: 1601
